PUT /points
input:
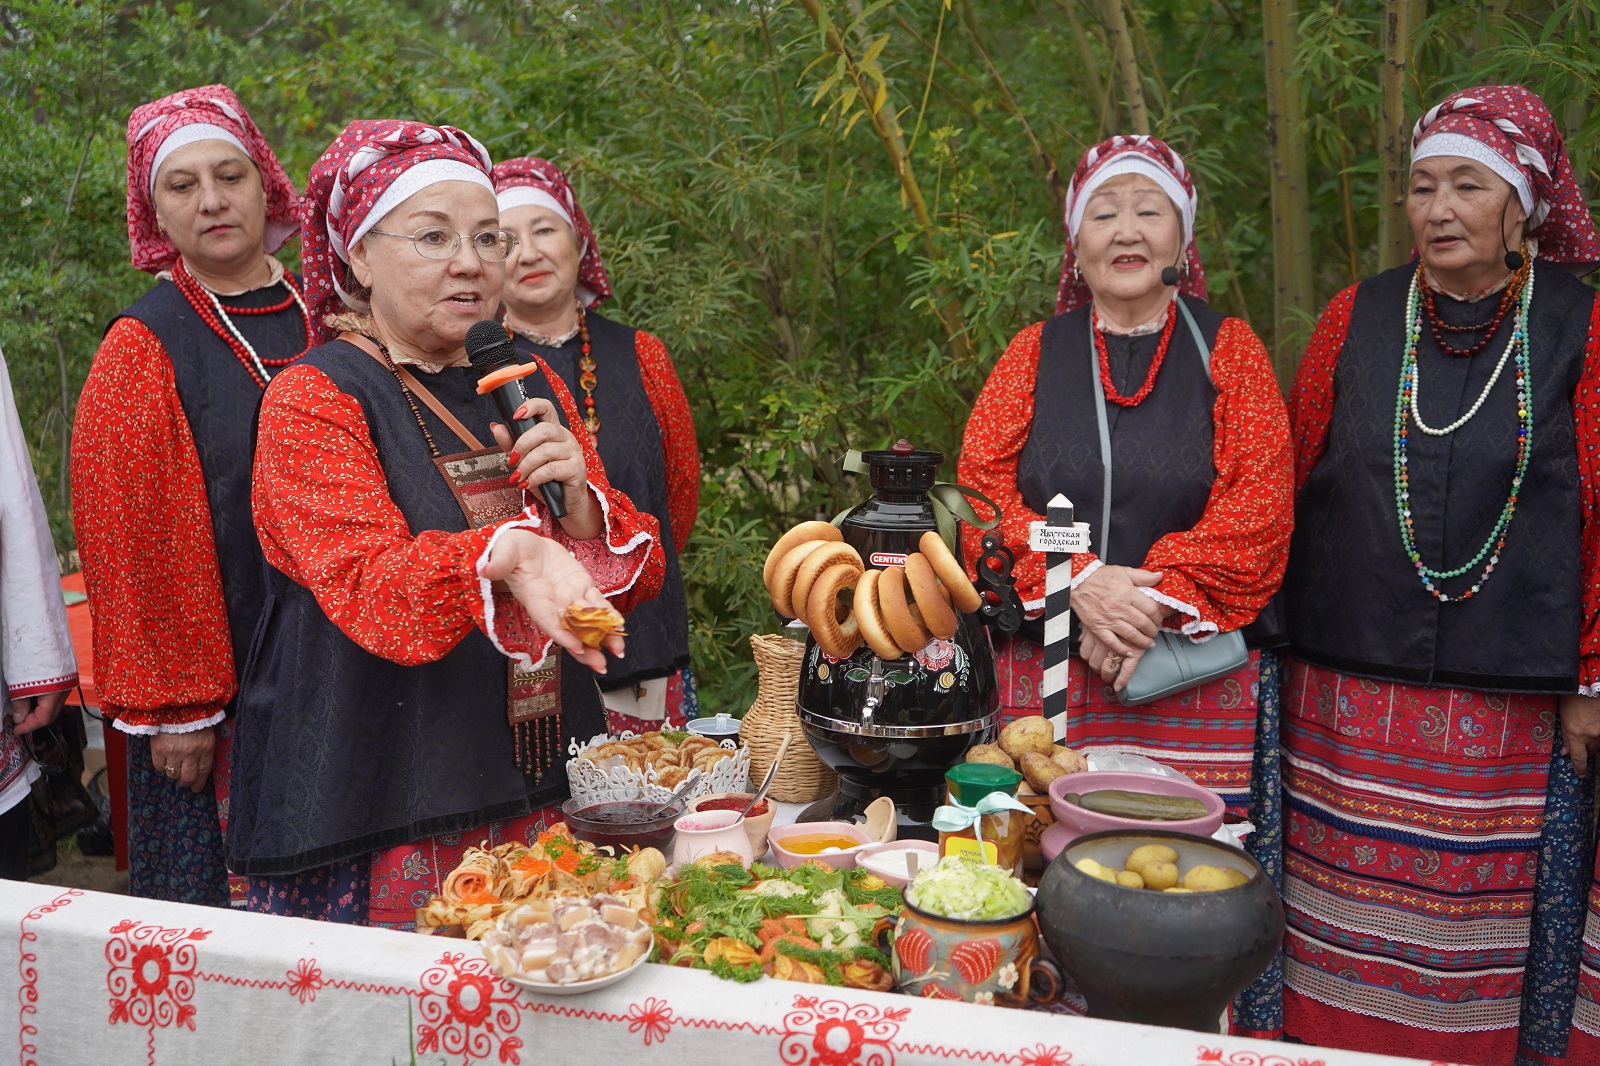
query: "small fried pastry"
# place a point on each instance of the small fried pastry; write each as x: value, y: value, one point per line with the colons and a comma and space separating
x: 592, y: 624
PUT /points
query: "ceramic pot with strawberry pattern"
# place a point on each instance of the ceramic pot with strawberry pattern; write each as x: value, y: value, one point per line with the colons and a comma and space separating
x: 985, y: 962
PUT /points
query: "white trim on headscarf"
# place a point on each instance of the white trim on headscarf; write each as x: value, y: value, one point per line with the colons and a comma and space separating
x: 528, y: 196
x: 190, y: 134
x: 429, y: 172
x: 1459, y: 144
x: 1132, y: 163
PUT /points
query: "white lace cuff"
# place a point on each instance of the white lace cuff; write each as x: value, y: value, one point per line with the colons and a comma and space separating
x: 179, y: 727
x: 1194, y: 628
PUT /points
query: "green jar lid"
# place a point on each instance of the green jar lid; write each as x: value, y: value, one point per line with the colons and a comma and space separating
x: 971, y: 781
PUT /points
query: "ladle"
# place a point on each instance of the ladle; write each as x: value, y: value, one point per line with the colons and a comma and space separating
x: 772, y: 772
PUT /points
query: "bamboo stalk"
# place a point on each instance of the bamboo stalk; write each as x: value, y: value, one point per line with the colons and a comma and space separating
x: 1291, y: 202
x: 1127, y: 66
x: 1088, y: 65
x: 1394, y: 232
x: 1051, y: 174
x: 1345, y: 202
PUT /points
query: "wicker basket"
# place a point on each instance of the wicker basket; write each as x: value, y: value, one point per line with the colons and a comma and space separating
x: 802, y: 778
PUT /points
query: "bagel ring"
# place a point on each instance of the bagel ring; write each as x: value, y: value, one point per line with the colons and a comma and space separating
x: 937, y: 614
x: 909, y: 633
x: 830, y: 554
x: 784, y: 573
x: 869, y: 621
x: 838, y: 638
x: 793, y: 539
x: 949, y: 571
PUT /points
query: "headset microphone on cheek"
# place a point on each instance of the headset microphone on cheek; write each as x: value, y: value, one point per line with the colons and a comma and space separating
x: 1514, y: 259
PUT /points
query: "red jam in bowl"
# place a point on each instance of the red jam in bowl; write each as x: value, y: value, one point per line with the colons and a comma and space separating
x: 622, y: 825
x: 733, y: 803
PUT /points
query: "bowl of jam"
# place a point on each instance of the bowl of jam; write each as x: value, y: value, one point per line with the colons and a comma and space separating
x: 623, y: 824
x: 756, y: 823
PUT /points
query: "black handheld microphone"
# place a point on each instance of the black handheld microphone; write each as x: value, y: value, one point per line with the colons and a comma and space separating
x: 491, y: 352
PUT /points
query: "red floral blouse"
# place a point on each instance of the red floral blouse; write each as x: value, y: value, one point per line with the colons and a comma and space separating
x: 325, y: 520
x: 671, y: 406
x: 1219, y: 574
x: 1311, y: 411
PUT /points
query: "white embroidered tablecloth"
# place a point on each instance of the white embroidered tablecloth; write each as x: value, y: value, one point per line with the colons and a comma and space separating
x: 101, y: 980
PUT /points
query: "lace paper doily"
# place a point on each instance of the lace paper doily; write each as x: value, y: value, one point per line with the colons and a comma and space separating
x: 614, y: 777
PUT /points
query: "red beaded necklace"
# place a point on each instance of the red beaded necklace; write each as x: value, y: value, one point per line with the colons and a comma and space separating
x: 586, y: 378
x: 1508, y: 300
x: 215, y: 315
x: 1155, y: 364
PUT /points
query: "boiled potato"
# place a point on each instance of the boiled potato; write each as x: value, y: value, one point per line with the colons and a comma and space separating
x: 1157, y: 874
x: 990, y: 753
x: 1237, y: 876
x: 1094, y: 869
x: 1069, y: 761
x: 1206, y: 879
x: 1039, y: 770
x: 1028, y: 734
x: 1186, y: 890
x: 1129, y: 879
x: 1148, y: 853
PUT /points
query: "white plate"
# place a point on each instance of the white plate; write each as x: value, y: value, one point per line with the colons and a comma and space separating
x: 545, y: 988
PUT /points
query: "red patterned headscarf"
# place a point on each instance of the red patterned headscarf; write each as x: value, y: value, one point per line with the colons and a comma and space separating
x: 369, y: 170
x: 529, y: 181
x: 1510, y: 130
x: 1112, y: 158
x: 209, y: 113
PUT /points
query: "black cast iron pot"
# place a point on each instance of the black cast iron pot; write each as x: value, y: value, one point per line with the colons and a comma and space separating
x: 1158, y: 958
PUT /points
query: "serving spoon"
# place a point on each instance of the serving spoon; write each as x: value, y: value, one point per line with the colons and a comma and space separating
x: 688, y: 783
x: 772, y: 772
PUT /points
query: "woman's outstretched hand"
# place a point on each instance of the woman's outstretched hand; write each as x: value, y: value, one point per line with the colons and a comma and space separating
x: 546, y: 579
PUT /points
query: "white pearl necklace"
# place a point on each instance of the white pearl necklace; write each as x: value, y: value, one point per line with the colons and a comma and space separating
x: 222, y: 315
x: 1416, y: 372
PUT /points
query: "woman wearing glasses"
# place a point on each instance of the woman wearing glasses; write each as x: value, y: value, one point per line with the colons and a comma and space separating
x: 390, y: 714
x: 625, y: 381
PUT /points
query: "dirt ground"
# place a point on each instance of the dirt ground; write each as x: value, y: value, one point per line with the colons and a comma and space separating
x: 76, y: 870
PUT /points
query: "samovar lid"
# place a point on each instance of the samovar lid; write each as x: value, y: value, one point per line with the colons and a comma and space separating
x: 902, y: 468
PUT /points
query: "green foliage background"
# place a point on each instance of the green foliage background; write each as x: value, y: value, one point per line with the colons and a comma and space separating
x: 747, y: 211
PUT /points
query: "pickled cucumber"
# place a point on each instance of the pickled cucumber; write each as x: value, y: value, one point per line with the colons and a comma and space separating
x: 1145, y: 806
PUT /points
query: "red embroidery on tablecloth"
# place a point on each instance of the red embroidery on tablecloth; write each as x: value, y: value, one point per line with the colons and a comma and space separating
x: 152, y: 976
x: 304, y: 980
x: 1039, y: 1055
x: 831, y: 1032
x: 28, y: 988
x: 466, y: 1010
x: 653, y: 1016
x: 1251, y: 1058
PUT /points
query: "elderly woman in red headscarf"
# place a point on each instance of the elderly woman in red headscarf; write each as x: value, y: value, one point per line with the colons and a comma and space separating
x: 170, y: 557
x: 1441, y: 723
x: 1183, y: 398
x: 398, y: 705
x: 555, y: 284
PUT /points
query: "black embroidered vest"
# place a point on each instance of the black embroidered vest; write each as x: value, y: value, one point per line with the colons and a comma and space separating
x: 631, y: 450
x: 1356, y: 602
x: 220, y: 400
x: 338, y: 752
x: 1161, y: 449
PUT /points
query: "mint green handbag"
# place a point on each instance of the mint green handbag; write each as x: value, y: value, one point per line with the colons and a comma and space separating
x: 1174, y: 662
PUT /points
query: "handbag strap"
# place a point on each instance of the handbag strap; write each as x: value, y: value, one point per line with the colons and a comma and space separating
x: 1104, y: 425
x: 418, y: 390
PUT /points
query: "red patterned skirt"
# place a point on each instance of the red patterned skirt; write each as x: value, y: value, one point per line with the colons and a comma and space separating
x: 1412, y: 849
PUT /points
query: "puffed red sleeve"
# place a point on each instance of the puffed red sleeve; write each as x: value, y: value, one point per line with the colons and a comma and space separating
x: 163, y: 653
x: 326, y: 520
x: 682, y: 450
x: 1586, y: 419
x: 1001, y: 420
x: 1311, y: 398
x: 1220, y: 573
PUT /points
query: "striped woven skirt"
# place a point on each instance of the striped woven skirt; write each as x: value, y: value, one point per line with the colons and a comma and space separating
x: 1223, y: 734
x: 1438, y: 853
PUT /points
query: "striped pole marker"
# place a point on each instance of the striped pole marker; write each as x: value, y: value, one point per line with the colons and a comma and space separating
x: 1059, y: 538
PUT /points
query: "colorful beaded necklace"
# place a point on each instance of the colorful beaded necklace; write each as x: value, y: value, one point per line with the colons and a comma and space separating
x: 1407, y: 404
x: 1155, y: 364
x: 214, y: 314
x: 586, y: 378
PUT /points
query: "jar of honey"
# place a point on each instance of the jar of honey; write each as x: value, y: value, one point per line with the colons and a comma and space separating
x: 995, y: 838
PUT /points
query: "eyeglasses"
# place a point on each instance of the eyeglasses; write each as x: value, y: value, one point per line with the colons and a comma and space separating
x: 441, y: 242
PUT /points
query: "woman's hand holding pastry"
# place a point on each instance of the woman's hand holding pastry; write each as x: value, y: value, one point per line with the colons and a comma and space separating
x: 549, y: 452
x: 546, y: 579
x: 1110, y: 606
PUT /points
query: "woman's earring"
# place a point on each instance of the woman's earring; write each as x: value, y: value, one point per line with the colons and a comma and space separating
x: 161, y: 229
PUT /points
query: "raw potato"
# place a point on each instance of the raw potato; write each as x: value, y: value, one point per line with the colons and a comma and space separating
x: 1039, y: 770
x: 990, y: 753
x: 1148, y: 853
x: 1028, y: 734
x: 1129, y: 879
x: 1069, y: 761
x: 1157, y: 874
x: 1206, y: 879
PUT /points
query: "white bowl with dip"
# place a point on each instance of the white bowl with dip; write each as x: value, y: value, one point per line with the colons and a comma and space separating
x: 891, y: 860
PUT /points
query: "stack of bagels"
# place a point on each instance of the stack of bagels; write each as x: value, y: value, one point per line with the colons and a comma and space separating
x: 813, y: 575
